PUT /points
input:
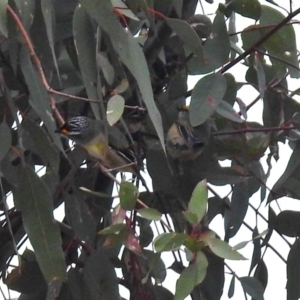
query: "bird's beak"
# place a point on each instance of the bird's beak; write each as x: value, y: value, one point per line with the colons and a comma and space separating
x: 62, y: 131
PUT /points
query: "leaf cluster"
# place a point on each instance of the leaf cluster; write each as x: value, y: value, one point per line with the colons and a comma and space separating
x: 128, y: 62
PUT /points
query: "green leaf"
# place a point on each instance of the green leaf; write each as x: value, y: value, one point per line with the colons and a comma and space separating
x: 227, y: 111
x: 106, y: 67
x: 157, y: 268
x: 246, y: 8
x: 241, y: 245
x: 113, y: 229
x: 5, y: 138
x: 150, y: 214
x: 191, y: 277
x: 169, y: 241
x: 49, y: 17
x: 33, y: 199
x: 193, y: 244
x: 39, y: 98
x: 188, y: 35
x: 231, y: 90
x: 3, y: 17
x: 216, y: 49
x: 25, y: 11
x: 177, y: 86
x: 206, y: 96
x: 252, y: 287
x: 128, y: 195
x: 222, y: 249
x: 198, y: 202
x: 84, y: 36
x: 131, y: 54
x: 190, y: 217
x: 282, y: 43
x: 115, y: 109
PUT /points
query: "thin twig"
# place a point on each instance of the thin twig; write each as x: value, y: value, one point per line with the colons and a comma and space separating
x: 265, y: 219
x: 277, y: 58
x: 261, y: 41
x: 245, y: 130
x: 255, y: 45
x: 268, y: 244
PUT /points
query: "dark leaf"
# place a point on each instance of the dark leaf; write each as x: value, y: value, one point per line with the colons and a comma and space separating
x: 79, y: 218
x: 3, y: 17
x: 187, y: 35
x: 49, y: 17
x: 33, y: 199
x: 291, y: 167
x: 36, y: 140
x: 231, y: 287
x: 288, y: 223
x: 252, y: 287
x: 169, y: 241
x: 28, y: 279
x: 261, y: 273
x: 293, y: 275
x: 256, y: 255
x: 239, y: 206
x: 100, y: 277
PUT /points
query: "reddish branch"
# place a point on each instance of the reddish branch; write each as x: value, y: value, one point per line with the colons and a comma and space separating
x: 256, y: 45
x: 261, y: 41
x: 38, y: 66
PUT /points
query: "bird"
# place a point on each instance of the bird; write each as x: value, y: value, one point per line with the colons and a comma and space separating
x: 94, y: 136
x: 182, y: 143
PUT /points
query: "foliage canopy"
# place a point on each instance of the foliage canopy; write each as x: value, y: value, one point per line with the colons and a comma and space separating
x: 128, y: 62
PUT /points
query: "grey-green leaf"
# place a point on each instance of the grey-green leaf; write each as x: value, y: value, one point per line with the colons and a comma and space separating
x: 34, y: 200
x: 130, y: 53
x: 206, y: 96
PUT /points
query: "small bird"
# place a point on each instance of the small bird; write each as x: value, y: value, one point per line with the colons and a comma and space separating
x: 93, y: 136
x: 182, y: 142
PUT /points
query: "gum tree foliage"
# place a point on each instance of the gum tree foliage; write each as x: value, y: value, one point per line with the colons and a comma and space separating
x: 128, y: 62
